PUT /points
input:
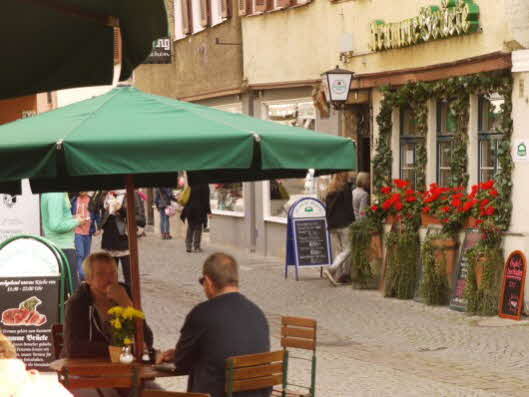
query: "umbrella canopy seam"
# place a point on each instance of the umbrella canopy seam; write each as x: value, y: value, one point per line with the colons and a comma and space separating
x: 59, y: 143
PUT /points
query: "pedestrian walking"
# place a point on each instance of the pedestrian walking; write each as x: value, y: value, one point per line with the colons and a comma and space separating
x: 196, y: 212
x: 59, y: 227
x: 162, y: 200
x: 340, y: 215
x: 82, y: 207
x: 114, y: 224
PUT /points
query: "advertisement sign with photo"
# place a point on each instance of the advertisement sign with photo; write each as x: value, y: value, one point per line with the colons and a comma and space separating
x: 19, y: 214
x: 30, y: 285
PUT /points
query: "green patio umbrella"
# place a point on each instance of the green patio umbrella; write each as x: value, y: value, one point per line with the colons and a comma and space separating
x: 129, y: 138
x: 49, y: 45
x: 93, y: 144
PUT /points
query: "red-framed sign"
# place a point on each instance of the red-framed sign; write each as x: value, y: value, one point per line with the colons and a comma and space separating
x: 512, y: 291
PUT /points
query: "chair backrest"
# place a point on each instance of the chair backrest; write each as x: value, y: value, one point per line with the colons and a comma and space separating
x: 256, y: 371
x: 58, y: 339
x: 298, y: 333
x: 163, y: 393
x: 100, y: 376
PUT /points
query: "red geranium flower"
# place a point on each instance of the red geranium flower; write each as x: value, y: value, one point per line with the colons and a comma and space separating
x: 386, y: 190
x: 398, y: 206
x: 411, y: 199
x: 426, y: 210
x: 374, y: 208
x: 484, y: 203
x: 494, y: 193
x: 457, y: 202
x: 445, y: 209
x: 401, y: 184
x: 487, y: 185
x: 409, y: 192
x: 490, y: 210
x: 386, y: 205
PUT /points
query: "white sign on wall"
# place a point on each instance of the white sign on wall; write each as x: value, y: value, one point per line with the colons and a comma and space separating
x: 520, y: 150
x: 19, y: 214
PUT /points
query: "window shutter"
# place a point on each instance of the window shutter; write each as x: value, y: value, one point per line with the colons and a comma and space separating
x: 243, y: 7
x: 283, y: 3
x: 117, y: 46
x: 186, y: 17
x: 205, y: 13
x: 225, y: 8
x: 260, y: 5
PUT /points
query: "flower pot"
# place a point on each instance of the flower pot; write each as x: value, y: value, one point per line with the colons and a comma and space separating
x: 114, y: 353
x: 446, y: 252
x: 375, y: 252
x: 479, y: 269
x: 472, y: 223
x: 391, y: 219
x: 429, y: 220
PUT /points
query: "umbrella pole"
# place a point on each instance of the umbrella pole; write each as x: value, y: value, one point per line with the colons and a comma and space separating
x: 134, y: 268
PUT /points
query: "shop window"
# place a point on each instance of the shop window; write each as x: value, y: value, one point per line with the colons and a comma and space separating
x: 281, y: 193
x: 490, y: 108
x: 446, y: 128
x: 227, y: 198
x: 409, y: 139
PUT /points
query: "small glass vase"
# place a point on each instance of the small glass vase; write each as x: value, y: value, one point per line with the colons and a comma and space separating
x: 126, y: 356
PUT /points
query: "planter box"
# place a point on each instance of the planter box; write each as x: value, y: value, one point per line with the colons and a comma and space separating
x: 429, y: 220
x: 446, y: 250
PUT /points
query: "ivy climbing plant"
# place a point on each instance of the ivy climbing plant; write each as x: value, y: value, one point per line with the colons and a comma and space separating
x: 456, y: 91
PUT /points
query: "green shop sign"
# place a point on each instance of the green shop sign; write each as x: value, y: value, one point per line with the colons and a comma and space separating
x: 453, y: 18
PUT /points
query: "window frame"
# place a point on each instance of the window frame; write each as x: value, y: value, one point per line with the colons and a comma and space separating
x: 484, y: 135
x: 407, y: 140
x: 441, y: 137
x: 267, y: 202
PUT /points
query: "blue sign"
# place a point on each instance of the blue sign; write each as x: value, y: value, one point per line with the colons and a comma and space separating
x: 308, y: 240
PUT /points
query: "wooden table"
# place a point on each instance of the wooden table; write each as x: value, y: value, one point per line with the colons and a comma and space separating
x: 95, y: 369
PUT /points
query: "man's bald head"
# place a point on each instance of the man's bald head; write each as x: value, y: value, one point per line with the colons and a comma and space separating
x: 222, y: 269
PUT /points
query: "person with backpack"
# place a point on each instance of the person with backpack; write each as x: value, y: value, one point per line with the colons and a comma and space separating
x: 340, y: 215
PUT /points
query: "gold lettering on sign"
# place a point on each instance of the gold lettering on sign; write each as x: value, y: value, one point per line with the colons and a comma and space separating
x: 453, y: 18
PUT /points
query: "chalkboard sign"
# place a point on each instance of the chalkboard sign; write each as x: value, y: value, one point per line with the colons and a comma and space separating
x: 511, y: 303
x: 308, y: 240
x: 457, y: 300
x: 311, y: 242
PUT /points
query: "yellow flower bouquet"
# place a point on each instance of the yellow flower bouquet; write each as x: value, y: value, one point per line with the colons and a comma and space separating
x: 123, y: 324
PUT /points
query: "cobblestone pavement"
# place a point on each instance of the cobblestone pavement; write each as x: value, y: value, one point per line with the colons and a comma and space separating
x: 368, y: 345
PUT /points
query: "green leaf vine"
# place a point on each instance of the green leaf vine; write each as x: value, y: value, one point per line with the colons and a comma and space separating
x: 403, y: 246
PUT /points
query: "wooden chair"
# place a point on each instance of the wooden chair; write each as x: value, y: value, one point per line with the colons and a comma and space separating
x: 162, y: 393
x: 101, y: 377
x: 256, y: 371
x: 58, y: 340
x: 299, y: 333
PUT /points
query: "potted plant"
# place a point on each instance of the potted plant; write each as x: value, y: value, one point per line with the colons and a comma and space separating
x: 123, y: 328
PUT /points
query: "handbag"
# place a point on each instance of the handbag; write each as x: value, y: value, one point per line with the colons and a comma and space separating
x: 170, y: 210
x: 185, y: 196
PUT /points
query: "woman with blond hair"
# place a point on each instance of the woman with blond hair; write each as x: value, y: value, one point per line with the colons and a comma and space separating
x: 361, y: 195
x: 339, y: 202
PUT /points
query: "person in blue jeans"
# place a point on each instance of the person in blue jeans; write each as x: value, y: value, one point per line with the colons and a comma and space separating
x: 162, y: 200
x: 81, y: 208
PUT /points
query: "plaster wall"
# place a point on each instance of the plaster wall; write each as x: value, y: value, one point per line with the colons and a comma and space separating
x: 301, y: 43
x: 199, y: 65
